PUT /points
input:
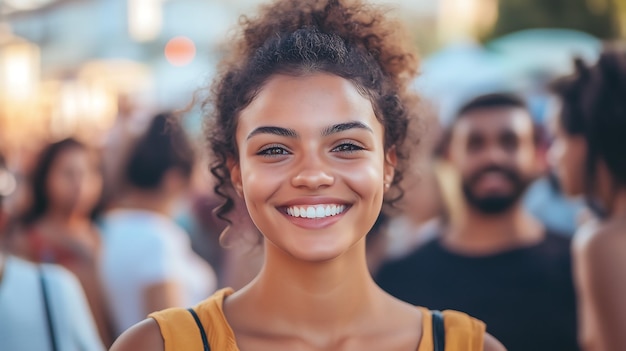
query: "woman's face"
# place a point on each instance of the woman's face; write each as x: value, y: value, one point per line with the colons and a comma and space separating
x: 74, y: 182
x: 567, y: 156
x: 312, y: 166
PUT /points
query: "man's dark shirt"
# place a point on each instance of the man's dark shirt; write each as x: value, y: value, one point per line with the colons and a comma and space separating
x: 525, y: 295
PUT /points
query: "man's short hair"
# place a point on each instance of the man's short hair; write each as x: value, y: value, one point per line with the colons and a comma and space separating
x: 491, y: 101
x: 488, y: 101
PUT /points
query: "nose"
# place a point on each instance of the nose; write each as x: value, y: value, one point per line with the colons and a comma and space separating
x: 313, y: 172
x: 496, y: 155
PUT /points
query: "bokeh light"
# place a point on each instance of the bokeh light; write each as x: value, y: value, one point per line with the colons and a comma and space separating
x: 180, y: 51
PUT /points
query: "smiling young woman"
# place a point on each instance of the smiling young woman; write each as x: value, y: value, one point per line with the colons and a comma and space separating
x: 309, y: 127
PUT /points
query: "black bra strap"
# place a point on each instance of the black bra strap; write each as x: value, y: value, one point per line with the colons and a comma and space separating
x: 46, y: 303
x: 205, y: 341
x: 439, y: 333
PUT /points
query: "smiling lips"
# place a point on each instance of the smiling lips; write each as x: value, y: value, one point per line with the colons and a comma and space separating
x: 315, y: 211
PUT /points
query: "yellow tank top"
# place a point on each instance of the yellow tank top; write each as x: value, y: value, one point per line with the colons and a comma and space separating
x: 180, y: 331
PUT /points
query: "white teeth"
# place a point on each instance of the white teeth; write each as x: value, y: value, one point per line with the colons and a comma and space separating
x: 310, y: 212
x: 319, y: 212
x: 315, y: 211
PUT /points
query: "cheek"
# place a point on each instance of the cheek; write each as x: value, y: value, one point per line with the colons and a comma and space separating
x: 525, y: 159
x: 92, y: 187
x: 575, y: 158
x: 56, y: 186
x: 365, y: 179
x: 259, y: 182
x: 462, y: 164
x: 568, y: 159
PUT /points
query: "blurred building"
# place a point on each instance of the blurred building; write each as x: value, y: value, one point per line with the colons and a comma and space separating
x: 74, y: 67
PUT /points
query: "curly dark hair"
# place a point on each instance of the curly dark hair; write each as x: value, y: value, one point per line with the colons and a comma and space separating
x: 594, y: 107
x: 350, y: 39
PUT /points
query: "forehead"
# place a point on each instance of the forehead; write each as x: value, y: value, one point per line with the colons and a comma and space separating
x: 307, y: 102
x: 70, y: 153
x: 494, y: 121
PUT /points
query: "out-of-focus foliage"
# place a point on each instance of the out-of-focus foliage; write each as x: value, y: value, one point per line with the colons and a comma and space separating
x: 597, y: 17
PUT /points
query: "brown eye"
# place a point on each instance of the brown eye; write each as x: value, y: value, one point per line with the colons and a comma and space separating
x: 347, y: 147
x: 273, y: 151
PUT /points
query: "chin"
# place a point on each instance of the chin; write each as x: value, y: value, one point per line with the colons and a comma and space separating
x: 317, y: 255
x: 320, y: 251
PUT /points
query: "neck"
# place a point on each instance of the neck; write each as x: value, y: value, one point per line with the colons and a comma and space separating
x: 476, y: 233
x: 313, y: 296
x: 154, y: 201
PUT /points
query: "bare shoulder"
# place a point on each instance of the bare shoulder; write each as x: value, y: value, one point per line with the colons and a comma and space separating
x: 492, y: 344
x: 597, y: 243
x: 143, y: 336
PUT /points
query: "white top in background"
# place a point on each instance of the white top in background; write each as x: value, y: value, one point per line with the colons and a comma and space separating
x: 23, y: 322
x: 143, y: 248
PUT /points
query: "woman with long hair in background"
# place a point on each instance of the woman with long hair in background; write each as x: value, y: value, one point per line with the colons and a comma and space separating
x: 59, y: 227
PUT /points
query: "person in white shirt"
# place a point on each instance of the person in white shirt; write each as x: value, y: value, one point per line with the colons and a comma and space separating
x: 58, y: 319
x: 147, y: 262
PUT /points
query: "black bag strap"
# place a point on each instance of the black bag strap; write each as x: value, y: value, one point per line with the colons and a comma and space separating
x: 205, y: 341
x: 439, y: 332
x: 46, y: 303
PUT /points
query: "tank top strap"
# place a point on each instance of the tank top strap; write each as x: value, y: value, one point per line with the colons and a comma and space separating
x: 180, y: 330
x: 463, y: 333
x: 427, y: 343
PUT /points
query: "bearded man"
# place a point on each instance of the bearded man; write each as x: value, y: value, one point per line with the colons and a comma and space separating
x: 491, y: 258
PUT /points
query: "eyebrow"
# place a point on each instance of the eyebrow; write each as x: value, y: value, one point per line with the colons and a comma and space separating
x: 274, y: 130
x: 337, y: 128
x: 290, y: 133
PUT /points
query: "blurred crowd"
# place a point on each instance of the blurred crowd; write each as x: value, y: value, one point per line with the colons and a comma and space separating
x: 99, y: 235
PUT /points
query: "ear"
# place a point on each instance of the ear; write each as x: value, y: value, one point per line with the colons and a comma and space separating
x: 391, y: 161
x: 235, y: 175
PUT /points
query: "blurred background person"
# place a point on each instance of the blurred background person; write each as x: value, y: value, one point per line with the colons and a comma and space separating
x: 409, y: 220
x: 130, y: 123
x: 59, y: 227
x: 43, y: 306
x: 236, y: 257
x: 588, y: 154
x: 408, y: 223
x: 148, y: 263
x: 491, y: 258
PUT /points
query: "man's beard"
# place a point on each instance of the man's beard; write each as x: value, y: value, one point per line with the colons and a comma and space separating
x: 495, y: 204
